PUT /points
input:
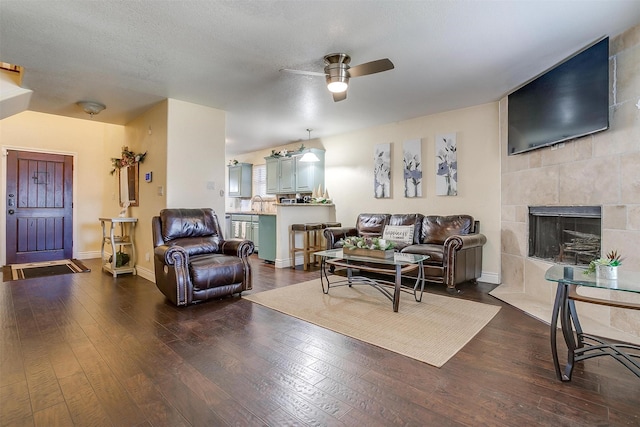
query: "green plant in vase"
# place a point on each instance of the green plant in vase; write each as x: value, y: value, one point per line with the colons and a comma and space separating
x: 612, y: 259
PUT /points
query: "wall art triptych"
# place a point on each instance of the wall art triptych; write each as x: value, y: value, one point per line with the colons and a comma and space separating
x: 446, y: 167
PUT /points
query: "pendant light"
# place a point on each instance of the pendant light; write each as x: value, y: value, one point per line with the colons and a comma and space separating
x: 309, y: 156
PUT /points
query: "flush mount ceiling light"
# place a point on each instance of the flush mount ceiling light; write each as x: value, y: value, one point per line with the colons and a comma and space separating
x: 309, y: 156
x: 90, y: 107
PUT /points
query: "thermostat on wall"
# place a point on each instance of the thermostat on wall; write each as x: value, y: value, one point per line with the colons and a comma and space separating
x: 147, y: 176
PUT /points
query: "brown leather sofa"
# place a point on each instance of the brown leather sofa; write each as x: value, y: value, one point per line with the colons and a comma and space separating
x: 193, y: 261
x: 453, y: 243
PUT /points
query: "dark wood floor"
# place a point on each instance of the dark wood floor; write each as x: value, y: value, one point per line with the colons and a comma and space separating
x: 90, y: 350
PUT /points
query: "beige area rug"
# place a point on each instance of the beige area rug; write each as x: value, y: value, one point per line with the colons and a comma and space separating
x: 431, y: 331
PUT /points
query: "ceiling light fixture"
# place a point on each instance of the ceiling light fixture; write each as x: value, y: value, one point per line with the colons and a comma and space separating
x: 309, y: 156
x: 336, y: 66
x: 90, y: 107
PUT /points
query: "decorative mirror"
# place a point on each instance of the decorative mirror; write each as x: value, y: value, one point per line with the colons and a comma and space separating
x: 128, y: 176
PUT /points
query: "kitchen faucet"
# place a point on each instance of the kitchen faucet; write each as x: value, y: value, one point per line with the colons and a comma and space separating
x: 261, y: 201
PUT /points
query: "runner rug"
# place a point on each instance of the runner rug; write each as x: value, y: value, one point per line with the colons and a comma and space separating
x: 42, y: 269
x: 431, y: 331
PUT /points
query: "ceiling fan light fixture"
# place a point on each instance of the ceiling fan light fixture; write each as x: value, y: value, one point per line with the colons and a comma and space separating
x: 337, y: 87
x: 91, y: 107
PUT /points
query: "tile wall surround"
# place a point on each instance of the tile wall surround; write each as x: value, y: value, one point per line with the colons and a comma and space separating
x: 600, y: 169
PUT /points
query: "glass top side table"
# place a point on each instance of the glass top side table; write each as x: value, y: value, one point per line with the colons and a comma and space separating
x: 580, y: 345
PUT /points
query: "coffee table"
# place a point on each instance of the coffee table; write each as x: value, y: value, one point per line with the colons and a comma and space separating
x: 580, y: 345
x: 399, y: 264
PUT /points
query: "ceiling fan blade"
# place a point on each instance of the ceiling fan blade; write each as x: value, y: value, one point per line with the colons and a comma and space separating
x: 371, y: 67
x: 339, y: 96
x: 306, y: 73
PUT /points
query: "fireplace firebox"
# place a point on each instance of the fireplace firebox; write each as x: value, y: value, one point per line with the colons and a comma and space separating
x: 565, y: 234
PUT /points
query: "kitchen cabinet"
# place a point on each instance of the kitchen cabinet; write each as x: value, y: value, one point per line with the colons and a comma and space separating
x: 273, y: 175
x: 240, y: 176
x: 288, y: 175
x: 310, y: 174
x: 267, y: 237
x: 245, y: 226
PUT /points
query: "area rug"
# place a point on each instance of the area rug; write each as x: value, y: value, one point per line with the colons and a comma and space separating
x: 431, y: 331
x: 45, y: 268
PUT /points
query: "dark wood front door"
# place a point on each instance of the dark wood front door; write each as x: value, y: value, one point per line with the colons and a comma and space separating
x: 39, y: 207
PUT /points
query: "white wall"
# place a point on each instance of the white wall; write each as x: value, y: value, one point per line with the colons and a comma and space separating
x: 196, y: 165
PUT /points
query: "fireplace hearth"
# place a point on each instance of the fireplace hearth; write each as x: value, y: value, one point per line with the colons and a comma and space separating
x: 565, y: 234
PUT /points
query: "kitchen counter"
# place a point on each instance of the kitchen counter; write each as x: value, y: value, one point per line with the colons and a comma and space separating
x: 249, y: 213
x: 297, y: 213
x: 304, y: 204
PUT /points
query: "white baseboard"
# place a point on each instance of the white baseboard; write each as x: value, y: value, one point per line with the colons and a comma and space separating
x: 88, y: 255
x: 488, y: 277
x: 146, y: 273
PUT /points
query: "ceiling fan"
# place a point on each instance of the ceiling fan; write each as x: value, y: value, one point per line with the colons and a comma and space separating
x: 337, y: 71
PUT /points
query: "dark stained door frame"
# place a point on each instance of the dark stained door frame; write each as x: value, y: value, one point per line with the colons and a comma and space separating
x: 38, y: 210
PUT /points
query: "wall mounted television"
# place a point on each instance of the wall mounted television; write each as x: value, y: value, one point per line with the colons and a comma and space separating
x: 568, y: 101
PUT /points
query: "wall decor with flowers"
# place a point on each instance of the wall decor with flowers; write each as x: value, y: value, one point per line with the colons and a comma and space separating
x: 412, y: 164
x: 446, y: 165
x: 128, y: 158
x: 382, y: 171
x: 127, y: 168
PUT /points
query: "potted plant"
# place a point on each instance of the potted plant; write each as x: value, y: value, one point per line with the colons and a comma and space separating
x: 607, y: 267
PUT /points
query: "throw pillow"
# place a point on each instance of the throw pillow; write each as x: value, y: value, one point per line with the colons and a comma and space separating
x: 399, y: 233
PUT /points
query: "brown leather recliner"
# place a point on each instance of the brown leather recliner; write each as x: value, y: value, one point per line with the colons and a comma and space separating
x: 193, y: 261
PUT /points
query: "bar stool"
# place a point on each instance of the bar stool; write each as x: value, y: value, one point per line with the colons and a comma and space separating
x: 310, y: 243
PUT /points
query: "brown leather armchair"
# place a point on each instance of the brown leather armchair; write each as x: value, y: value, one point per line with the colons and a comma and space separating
x: 193, y: 261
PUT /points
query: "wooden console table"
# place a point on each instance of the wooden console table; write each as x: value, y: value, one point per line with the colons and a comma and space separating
x: 114, y: 243
x: 580, y: 345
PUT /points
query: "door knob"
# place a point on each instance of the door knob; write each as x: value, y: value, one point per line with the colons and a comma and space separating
x: 11, y: 211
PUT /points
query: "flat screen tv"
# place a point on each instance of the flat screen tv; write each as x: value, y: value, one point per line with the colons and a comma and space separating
x: 566, y: 102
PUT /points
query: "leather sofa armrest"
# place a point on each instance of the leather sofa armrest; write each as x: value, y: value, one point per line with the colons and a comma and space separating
x: 237, y: 247
x: 333, y: 234
x: 465, y: 241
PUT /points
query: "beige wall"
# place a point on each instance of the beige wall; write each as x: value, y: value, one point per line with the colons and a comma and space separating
x: 601, y: 169
x: 349, y: 176
x: 148, y: 133
x: 92, y: 144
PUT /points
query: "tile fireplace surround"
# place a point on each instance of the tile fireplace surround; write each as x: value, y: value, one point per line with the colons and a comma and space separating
x: 600, y: 169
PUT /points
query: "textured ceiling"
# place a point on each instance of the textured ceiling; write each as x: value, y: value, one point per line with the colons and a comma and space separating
x: 227, y: 55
